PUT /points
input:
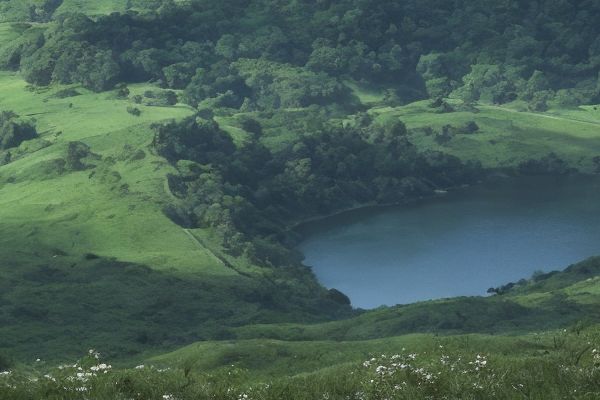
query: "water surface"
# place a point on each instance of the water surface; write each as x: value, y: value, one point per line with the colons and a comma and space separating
x: 459, y: 244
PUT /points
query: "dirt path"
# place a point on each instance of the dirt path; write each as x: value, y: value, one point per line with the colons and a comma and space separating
x: 214, y: 255
x: 568, y: 119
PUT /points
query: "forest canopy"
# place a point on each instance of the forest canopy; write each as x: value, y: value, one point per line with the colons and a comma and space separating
x: 263, y: 53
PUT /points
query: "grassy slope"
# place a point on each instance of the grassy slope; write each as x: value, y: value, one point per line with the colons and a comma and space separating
x: 93, y: 218
x: 552, y: 365
x: 271, y: 358
x: 508, y: 136
x: 267, y: 359
x: 154, y: 285
x: 7, y: 33
x: 501, y: 325
x: 92, y: 7
x: 49, y: 221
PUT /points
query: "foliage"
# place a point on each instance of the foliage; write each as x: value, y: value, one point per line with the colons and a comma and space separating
x: 14, y: 131
x: 297, y: 53
x: 251, y: 191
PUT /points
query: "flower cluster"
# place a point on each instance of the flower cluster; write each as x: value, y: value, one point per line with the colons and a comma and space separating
x: 397, y: 372
x: 480, y: 362
x: 427, y: 374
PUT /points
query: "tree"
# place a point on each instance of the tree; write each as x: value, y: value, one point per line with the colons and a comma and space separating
x: 76, y: 153
x: 536, y: 83
x: 226, y: 46
x: 251, y: 125
x: 14, y: 131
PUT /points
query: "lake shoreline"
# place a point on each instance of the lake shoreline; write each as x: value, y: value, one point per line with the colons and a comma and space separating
x: 498, y: 231
x: 438, y: 193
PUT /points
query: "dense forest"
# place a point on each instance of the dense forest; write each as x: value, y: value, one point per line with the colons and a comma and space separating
x: 264, y: 55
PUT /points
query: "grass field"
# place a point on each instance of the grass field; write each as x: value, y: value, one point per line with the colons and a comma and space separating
x: 549, y: 365
x: 84, y: 211
x: 507, y: 136
x: 74, y: 224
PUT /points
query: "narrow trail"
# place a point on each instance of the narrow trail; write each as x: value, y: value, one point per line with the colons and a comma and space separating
x: 564, y: 119
x: 217, y: 257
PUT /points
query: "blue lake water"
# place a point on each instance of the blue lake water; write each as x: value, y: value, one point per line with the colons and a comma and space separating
x: 458, y: 244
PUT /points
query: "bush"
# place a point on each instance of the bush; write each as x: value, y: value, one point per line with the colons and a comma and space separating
x: 77, y: 153
x: 14, y: 131
x: 161, y: 98
x: 134, y: 111
x: 547, y: 165
x: 122, y: 91
x: 65, y: 93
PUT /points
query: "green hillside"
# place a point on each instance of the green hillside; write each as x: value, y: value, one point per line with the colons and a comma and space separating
x: 155, y: 156
x: 361, y: 358
x: 508, y: 134
x: 61, y: 229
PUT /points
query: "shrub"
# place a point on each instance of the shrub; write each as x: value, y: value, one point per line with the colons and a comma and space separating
x: 134, y: 111
x: 14, y: 131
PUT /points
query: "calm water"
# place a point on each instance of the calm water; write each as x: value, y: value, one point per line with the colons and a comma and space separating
x: 459, y: 244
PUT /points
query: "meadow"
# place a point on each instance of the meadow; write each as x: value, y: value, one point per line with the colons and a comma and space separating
x: 507, y: 135
x: 552, y: 364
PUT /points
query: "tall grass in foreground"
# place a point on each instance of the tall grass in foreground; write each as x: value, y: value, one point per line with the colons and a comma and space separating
x: 567, y: 367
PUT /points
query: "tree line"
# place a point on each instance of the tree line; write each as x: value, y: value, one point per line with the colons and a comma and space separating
x: 487, y: 50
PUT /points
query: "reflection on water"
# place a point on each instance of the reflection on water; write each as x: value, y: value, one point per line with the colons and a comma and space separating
x: 459, y: 244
